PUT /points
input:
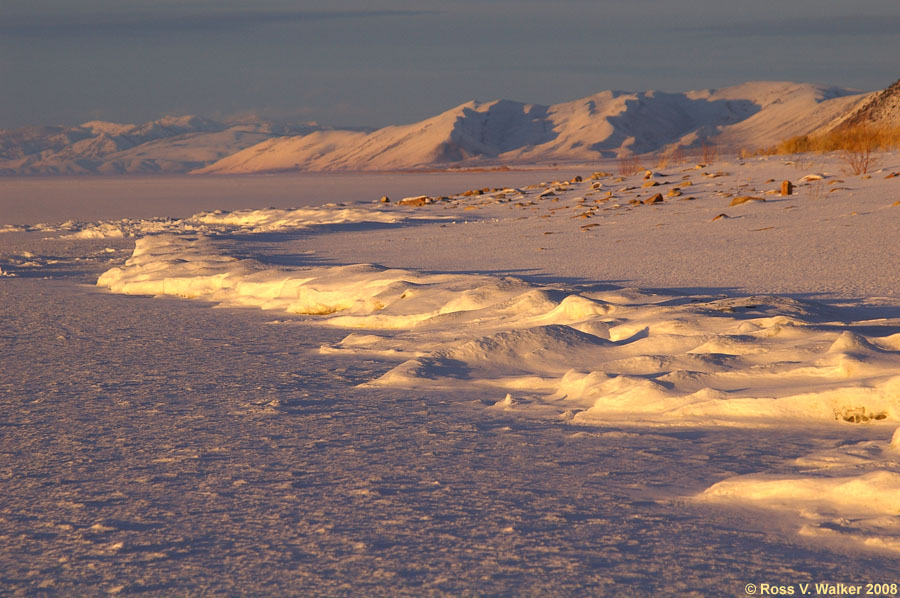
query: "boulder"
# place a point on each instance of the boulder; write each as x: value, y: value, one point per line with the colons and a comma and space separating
x: 787, y: 187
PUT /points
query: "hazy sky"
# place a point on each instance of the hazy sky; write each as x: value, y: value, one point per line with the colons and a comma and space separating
x: 378, y: 62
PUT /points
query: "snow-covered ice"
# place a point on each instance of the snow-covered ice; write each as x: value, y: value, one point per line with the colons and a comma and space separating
x: 549, y: 388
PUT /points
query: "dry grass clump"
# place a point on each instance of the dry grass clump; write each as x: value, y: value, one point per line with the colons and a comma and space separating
x: 671, y: 157
x: 709, y: 153
x: 629, y: 165
x: 855, y: 145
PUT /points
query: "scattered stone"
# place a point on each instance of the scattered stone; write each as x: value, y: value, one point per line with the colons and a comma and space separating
x: 471, y: 192
x: 836, y: 181
x: 892, y: 175
x: 577, y: 179
x: 674, y: 192
x: 658, y: 198
x: 650, y: 184
x: 385, y: 199
x: 896, y: 203
x: 770, y: 181
x: 687, y: 184
x: 812, y: 177
x: 720, y: 216
x: 648, y: 174
x: 634, y: 202
x: 419, y: 200
x: 600, y: 174
x: 744, y: 199
x: 787, y: 187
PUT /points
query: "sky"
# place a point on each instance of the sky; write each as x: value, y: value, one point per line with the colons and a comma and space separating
x: 380, y: 62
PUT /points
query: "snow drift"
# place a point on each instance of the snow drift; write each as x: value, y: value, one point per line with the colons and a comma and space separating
x: 592, y: 357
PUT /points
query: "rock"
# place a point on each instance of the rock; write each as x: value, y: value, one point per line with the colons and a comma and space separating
x: 787, y: 187
x: 675, y: 192
x: 471, y: 192
x: 577, y: 179
x: 385, y: 199
x: 600, y: 174
x: 419, y: 200
x: 648, y: 174
x: 812, y: 177
x: 892, y: 175
x: 720, y: 216
x: 744, y: 199
x: 687, y: 184
x: 650, y: 184
x: 896, y: 203
x: 658, y: 198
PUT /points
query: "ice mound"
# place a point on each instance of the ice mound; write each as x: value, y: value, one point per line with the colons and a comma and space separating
x: 255, y: 221
x: 848, y: 493
x: 357, y: 296
x: 219, y: 221
x: 874, y: 493
x: 622, y: 356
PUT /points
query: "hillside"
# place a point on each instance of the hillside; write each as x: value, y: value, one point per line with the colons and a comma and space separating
x: 881, y: 110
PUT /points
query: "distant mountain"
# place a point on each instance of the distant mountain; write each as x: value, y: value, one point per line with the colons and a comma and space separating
x: 169, y: 144
x: 502, y: 132
x: 604, y: 125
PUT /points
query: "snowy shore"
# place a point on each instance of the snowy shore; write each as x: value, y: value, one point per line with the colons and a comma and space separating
x: 585, y: 306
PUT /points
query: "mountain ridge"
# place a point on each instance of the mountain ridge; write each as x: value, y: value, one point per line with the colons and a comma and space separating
x: 604, y: 125
x: 501, y: 132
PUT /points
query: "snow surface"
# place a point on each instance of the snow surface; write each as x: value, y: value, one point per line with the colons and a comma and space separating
x: 540, y: 389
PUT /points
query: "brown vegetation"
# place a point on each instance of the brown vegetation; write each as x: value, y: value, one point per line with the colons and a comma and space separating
x: 856, y: 145
x: 629, y: 165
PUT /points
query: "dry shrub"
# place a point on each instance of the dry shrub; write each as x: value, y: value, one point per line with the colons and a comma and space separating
x: 709, y: 152
x: 671, y: 157
x: 857, y: 147
x: 629, y: 165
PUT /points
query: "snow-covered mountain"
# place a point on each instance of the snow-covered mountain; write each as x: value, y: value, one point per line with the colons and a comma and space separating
x: 169, y: 144
x: 603, y: 125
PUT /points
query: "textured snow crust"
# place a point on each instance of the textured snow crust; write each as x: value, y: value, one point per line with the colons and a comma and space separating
x: 634, y: 376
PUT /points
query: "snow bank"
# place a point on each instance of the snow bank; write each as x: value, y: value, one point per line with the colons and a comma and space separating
x: 218, y: 222
x: 850, y: 493
x: 615, y: 356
